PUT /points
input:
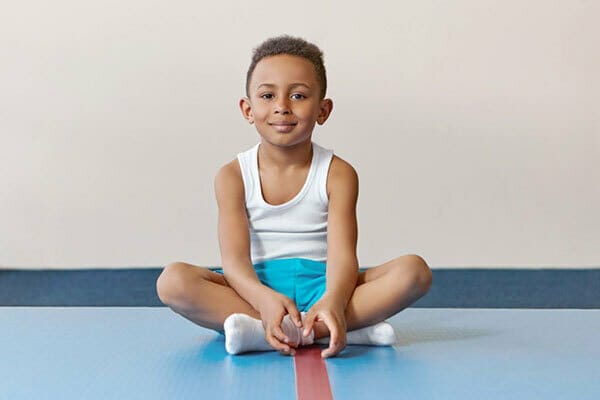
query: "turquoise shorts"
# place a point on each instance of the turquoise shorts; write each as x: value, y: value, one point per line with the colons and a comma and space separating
x: 300, y: 279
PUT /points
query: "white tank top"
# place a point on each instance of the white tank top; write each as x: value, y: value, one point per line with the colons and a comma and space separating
x: 297, y: 228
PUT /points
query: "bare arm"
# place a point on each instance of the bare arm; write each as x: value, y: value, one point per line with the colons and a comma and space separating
x: 234, y: 241
x: 342, y: 263
x: 342, y: 234
x: 234, y: 236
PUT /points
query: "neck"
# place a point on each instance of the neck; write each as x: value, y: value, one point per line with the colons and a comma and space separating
x: 282, y: 158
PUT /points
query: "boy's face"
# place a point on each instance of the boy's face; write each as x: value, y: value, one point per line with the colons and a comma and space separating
x: 285, y: 100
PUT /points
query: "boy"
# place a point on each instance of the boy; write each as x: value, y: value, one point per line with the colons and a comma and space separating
x: 288, y: 229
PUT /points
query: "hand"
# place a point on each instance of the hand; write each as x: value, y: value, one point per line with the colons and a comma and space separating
x: 273, y: 306
x: 332, y: 312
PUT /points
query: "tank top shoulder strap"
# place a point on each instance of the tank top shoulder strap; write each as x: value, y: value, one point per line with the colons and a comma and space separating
x: 247, y: 166
x: 323, y: 162
x: 323, y: 157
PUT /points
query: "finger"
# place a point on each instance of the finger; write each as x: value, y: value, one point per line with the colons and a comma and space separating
x: 279, y: 334
x: 309, y: 321
x: 275, y: 343
x: 295, y: 315
x: 332, y: 325
x: 333, y: 336
x: 337, y: 346
x: 291, y: 352
x: 330, y: 352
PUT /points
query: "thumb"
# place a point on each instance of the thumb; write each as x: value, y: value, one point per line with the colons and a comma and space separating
x: 308, y: 323
x: 296, y: 317
x: 294, y: 314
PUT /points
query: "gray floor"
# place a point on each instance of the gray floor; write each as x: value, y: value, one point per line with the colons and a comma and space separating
x: 452, y: 288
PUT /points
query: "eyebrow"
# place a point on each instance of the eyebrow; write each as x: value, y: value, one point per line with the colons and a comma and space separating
x: 291, y: 85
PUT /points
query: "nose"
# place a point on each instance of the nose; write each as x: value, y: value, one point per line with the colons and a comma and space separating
x: 282, y: 107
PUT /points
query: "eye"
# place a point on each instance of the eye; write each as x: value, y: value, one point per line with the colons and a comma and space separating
x: 299, y: 94
x: 262, y: 96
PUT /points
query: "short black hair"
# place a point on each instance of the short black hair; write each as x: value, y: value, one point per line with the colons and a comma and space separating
x: 295, y: 46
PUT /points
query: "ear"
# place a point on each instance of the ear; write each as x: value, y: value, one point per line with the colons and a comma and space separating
x: 325, y: 108
x: 246, y: 108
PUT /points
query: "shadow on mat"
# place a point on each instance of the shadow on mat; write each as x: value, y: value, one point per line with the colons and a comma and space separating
x: 212, y: 350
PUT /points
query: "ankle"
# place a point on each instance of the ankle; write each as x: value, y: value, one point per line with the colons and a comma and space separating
x: 320, y: 330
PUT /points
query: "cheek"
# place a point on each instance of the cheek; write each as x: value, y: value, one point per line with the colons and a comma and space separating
x: 260, y: 113
x: 308, y: 111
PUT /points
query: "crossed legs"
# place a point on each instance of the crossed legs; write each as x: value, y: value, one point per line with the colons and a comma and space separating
x: 205, y: 298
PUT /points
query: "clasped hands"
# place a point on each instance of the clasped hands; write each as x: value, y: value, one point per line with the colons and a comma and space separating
x: 329, y: 310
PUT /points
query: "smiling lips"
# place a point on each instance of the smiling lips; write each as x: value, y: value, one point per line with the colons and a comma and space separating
x: 283, y: 127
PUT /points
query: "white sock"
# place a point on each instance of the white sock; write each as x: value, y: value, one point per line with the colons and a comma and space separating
x: 381, y: 334
x: 244, y: 333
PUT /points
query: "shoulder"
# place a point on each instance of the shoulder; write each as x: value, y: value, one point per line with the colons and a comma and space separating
x: 342, y: 178
x: 230, y: 171
x: 228, y: 181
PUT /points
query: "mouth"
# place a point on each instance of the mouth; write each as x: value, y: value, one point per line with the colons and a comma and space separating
x: 283, y: 127
x: 283, y: 124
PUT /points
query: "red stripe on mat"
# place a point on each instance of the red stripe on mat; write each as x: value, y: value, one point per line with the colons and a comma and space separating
x: 312, y: 381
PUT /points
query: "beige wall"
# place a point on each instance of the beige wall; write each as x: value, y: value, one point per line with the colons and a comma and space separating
x: 473, y: 125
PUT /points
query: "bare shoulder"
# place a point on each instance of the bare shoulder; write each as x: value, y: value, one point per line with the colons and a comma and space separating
x: 342, y: 225
x: 234, y: 237
x: 232, y: 168
x: 229, y: 182
x: 342, y: 177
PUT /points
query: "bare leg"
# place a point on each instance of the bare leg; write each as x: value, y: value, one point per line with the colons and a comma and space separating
x: 205, y: 298
x: 384, y: 291
x: 200, y: 295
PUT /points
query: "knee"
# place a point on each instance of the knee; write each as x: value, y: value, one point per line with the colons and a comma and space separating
x: 419, y: 272
x: 170, y: 282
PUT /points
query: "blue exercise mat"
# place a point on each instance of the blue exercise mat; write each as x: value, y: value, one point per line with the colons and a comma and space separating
x: 152, y: 353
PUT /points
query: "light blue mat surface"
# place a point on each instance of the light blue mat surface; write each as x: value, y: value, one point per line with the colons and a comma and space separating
x: 153, y: 353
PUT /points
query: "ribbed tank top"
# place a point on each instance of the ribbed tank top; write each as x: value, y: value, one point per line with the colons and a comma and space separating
x: 297, y: 228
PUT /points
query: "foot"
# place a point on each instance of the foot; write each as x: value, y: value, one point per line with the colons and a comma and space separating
x: 380, y: 334
x: 244, y: 334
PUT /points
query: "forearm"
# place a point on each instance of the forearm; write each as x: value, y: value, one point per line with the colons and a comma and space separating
x: 341, y: 278
x: 240, y: 275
